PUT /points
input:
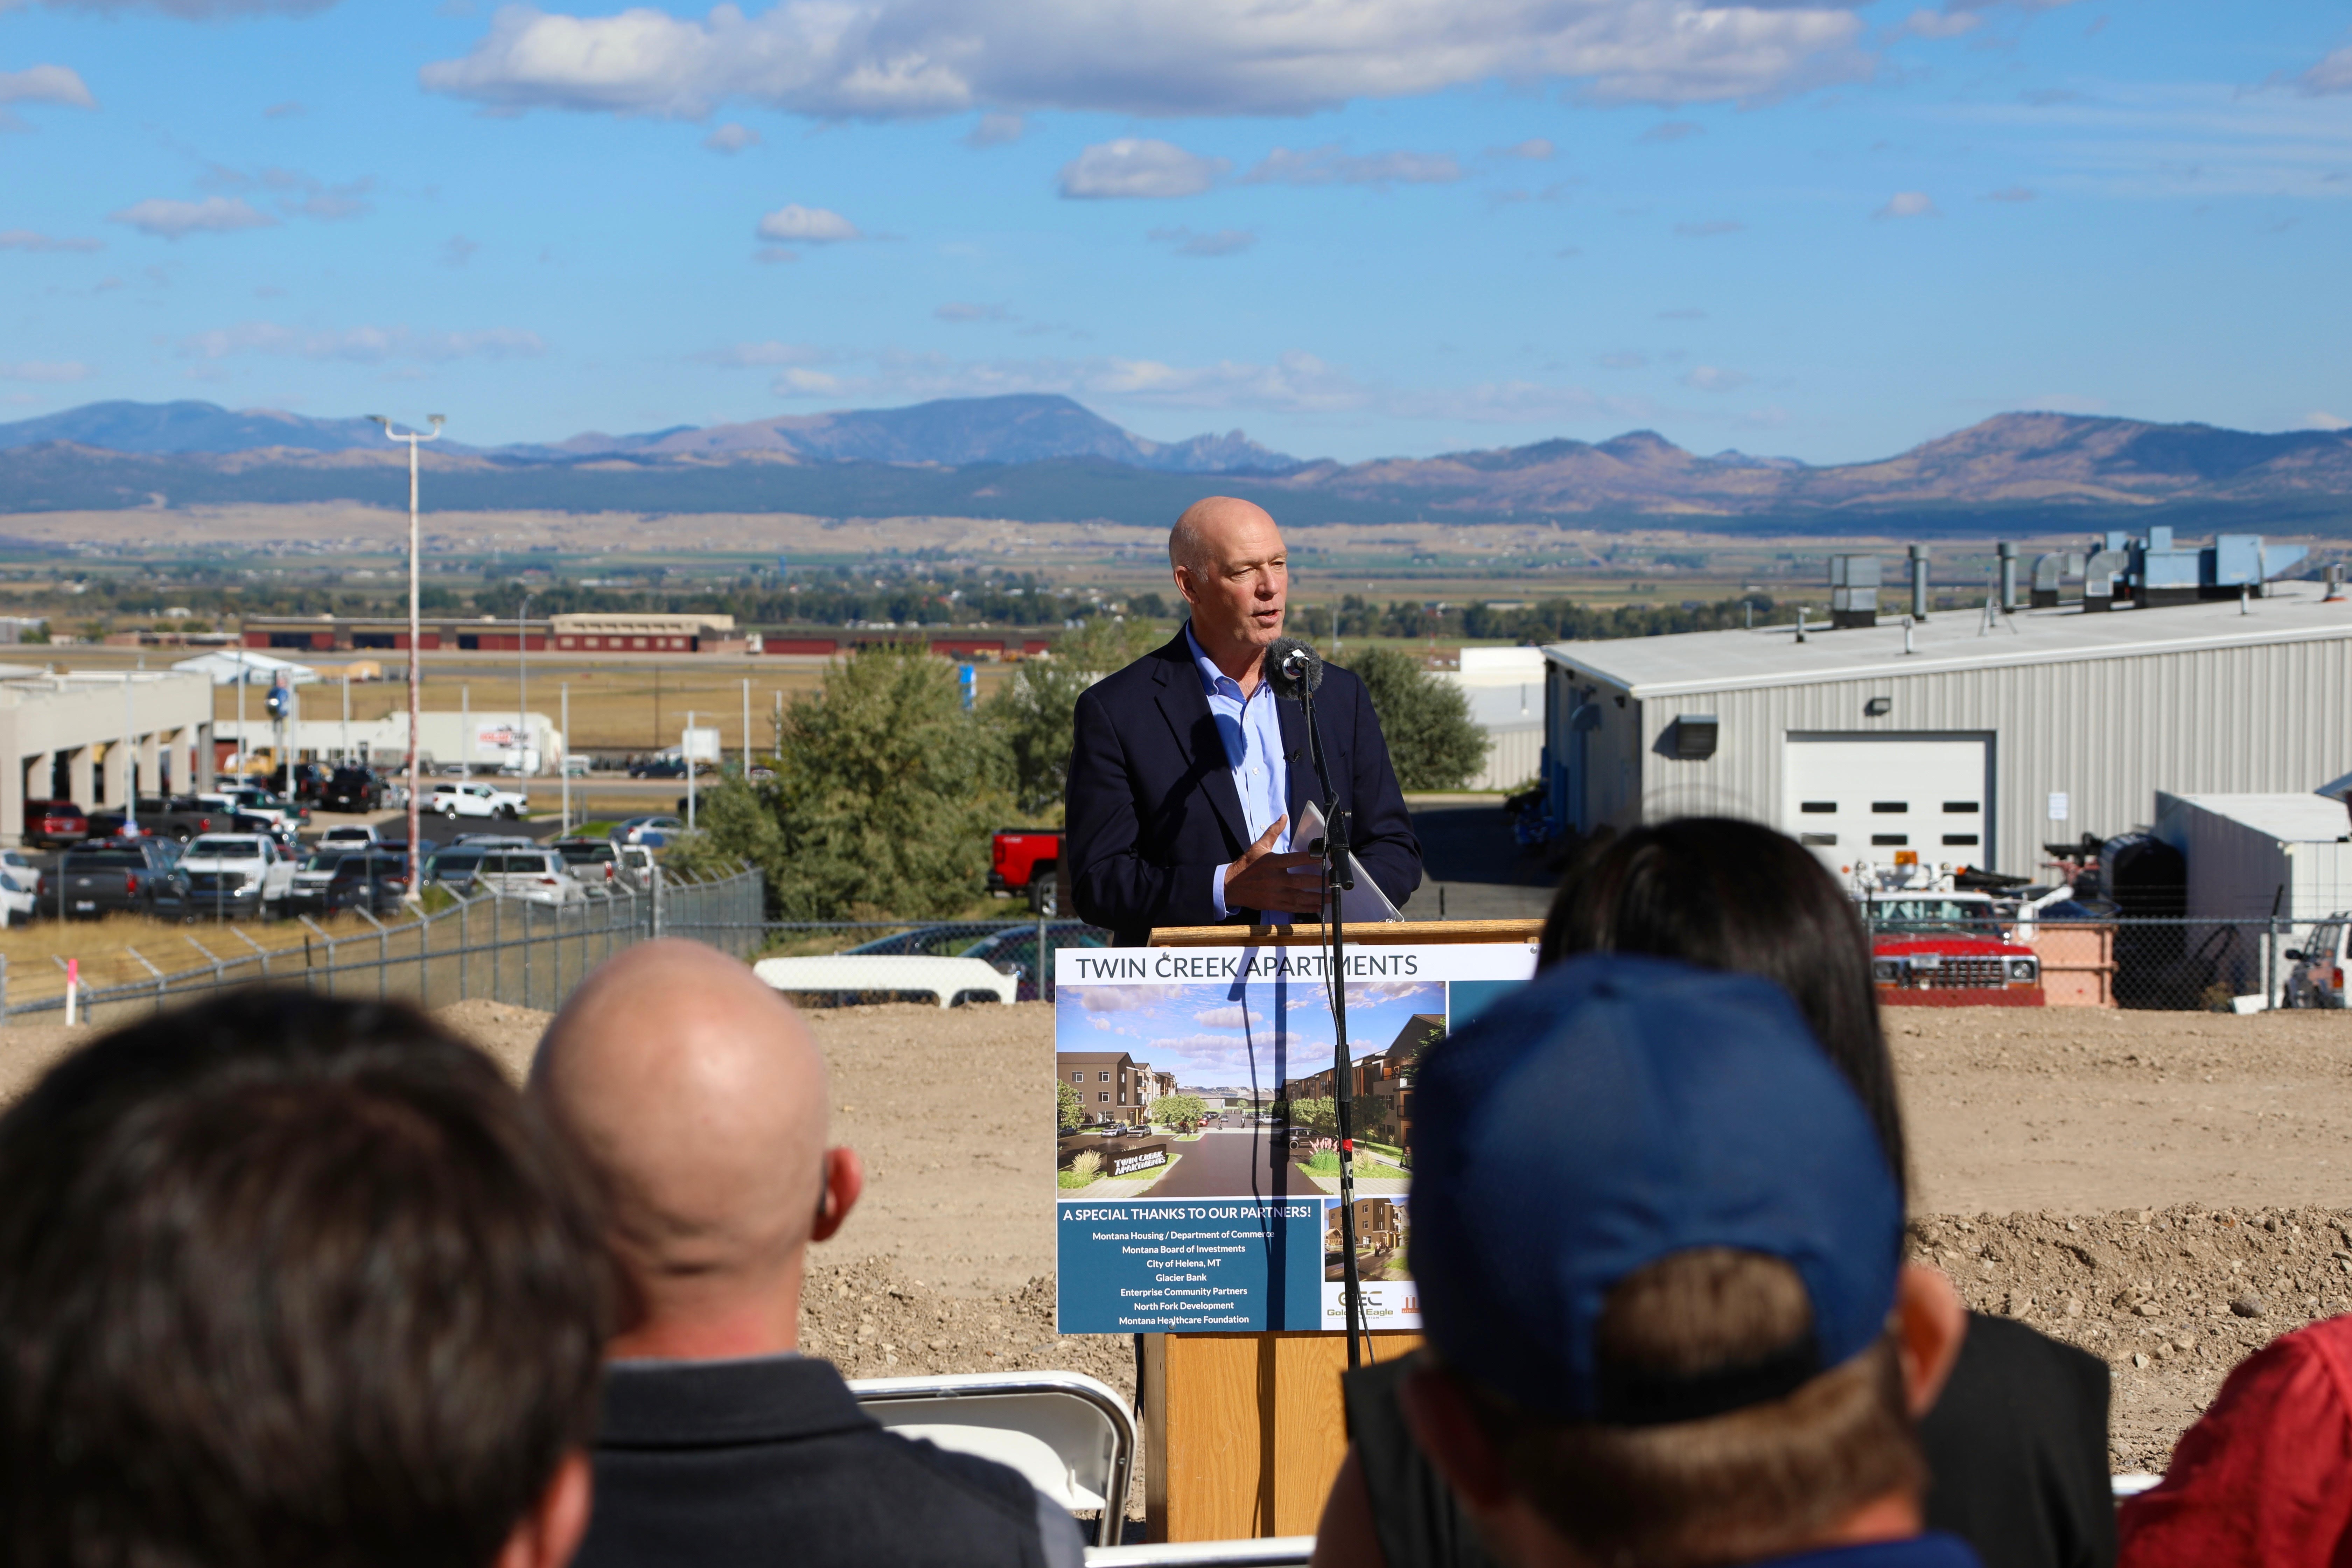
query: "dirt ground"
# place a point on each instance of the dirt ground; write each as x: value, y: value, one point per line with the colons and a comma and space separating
x: 2169, y: 1191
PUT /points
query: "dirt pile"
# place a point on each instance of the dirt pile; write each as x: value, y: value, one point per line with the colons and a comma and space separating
x: 2170, y: 1298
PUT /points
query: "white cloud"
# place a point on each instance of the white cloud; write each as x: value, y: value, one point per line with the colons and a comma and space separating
x: 1137, y: 167
x: 27, y: 239
x: 1713, y: 378
x: 2320, y: 419
x: 996, y: 130
x: 168, y: 219
x: 1535, y: 149
x: 2332, y: 74
x: 1328, y: 165
x: 767, y: 354
x: 1939, y: 25
x: 1116, y: 998
x: 45, y: 84
x: 898, y: 59
x: 1231, y: 1016
x: 807, y: 226
x: 1223, y: 242
x: 361, y: 346
x: 45, y: 370
x: 732, y: 139
x: 1907, y: 204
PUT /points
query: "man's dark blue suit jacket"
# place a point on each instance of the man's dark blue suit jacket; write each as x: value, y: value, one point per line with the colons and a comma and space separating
x: 1151, y: 807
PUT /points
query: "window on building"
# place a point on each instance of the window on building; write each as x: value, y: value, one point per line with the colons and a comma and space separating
x: 1106, y: 1077
x: 1077, y: 1077
x: 1105, y: 1096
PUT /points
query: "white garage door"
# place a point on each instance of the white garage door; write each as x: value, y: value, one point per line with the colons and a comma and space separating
x: 1863, y: 799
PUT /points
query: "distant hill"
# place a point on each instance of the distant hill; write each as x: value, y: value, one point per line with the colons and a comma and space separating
x: 950, y: 433
x: 1049, y: 460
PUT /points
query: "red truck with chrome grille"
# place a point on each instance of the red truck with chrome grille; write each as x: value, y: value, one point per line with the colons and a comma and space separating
x: 1027, y: 860
x: 1947, y: 950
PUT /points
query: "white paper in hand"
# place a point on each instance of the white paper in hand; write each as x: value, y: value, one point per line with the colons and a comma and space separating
x: 1362, y: 904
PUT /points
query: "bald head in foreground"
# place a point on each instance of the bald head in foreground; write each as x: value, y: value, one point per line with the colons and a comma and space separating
x: 697, y: 1097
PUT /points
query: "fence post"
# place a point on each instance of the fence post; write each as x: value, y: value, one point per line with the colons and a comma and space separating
x: 659, y: 878
x: 192, y: 942
x: 464, y: 908
x: 497, y: 947
x: 4, y: 988
x: 308, y: 978
x: 524, y: 910
x: 383, y: 951
x: 259, y: 951
x: 149, y: 969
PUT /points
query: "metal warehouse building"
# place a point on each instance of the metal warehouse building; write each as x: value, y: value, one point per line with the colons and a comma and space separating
x: 1964, y: 744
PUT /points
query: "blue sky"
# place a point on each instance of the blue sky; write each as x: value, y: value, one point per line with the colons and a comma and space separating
x: 1351, y: 227
x: 1206, y: 1040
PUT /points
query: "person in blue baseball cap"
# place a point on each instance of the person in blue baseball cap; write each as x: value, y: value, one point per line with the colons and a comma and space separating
x: 1659, y: 1252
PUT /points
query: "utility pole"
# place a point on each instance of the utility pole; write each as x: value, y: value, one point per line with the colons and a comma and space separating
x: 747, y: 729
x: 522, y: 687
x: 563, y: 763
x: 415, y: 702
x: 686, y: 748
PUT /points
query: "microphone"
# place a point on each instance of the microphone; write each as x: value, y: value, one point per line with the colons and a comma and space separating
x: 1292, y: 668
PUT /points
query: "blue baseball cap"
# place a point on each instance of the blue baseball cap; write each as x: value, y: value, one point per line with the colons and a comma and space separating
x: 1617, y: 1111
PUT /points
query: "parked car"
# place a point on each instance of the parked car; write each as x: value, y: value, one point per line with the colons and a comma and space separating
x: 54, y: 821
x: 114, y: 824
x: 576, y: 765
x: 352, y: 789
x: 180, y: 817
x: 136, y: 876
x: 367, y: 879
x: 594, y: 861
x: 307, y: 782
x: 1015, y: 953
x: 931, y: 941
x: 352, y: 834
x: 454, y: 868
x: 653, y: 832
x: 658, y: 768
x: 498, y: 840
x: 533, y: 876
x: 1028, y: 861
x: 2317, y: 978
x: 469, y: 799
x: 252, y: 801
x: 307, y: 894
x: 235, y: 876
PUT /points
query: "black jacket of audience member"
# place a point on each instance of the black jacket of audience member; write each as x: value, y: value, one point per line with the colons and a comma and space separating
x: 769, y: 1460
x: 2016, y: 1452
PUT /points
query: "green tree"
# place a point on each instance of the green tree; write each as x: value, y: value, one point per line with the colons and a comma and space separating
x: 1184, y: 1111
x: 1319, y: 1116
x: 1072, y: 1110
x: 885, y: 794
x: 1433, y: 744
x: 1033, y: 713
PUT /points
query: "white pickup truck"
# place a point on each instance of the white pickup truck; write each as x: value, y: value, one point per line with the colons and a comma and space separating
x: 231, y: 874
x: 456, y: 800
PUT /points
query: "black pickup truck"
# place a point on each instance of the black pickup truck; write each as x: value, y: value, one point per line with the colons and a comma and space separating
x: 120, y: 876
x: 181, y: 816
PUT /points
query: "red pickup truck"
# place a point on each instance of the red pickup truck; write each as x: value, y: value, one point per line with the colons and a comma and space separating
x: 1947, y: 950
x: 1027, y: 860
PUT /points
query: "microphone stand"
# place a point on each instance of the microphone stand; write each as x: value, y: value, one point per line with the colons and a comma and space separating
x: 1336, y: 878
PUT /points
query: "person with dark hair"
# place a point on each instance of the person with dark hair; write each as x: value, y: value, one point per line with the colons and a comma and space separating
x: 287, y: 1282
x: 695, y: 1096
x: 1659, y: 1252
x: 2016, y: 1446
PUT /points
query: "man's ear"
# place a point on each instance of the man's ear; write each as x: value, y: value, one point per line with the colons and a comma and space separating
x: 1929, y: 1322
x: 845, y: 1180
x: 548, y: 1535
x: 1449, y: 1434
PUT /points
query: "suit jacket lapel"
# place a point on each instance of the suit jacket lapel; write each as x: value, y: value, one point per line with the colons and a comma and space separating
x: 1186, y: 708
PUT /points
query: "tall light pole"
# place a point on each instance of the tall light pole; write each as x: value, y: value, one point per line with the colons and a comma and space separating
x: 416, y: 698
x: 522, y: 687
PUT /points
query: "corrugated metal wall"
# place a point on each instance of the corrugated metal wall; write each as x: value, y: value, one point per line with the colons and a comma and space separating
x: 2107, y: 732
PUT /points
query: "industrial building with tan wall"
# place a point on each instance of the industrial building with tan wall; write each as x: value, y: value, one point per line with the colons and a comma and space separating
x: 98, y: 737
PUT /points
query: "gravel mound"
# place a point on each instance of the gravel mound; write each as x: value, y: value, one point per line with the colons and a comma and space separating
x: 2170, y: 1298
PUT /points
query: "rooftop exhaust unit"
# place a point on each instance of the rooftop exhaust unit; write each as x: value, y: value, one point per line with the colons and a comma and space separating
x: 1918, y: 582
x: 1854, y: 590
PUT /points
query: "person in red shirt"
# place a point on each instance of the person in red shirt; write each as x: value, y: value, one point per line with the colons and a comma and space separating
x: 2260, y: 1481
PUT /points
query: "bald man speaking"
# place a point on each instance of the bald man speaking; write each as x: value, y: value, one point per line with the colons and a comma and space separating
x: 1186, y: 775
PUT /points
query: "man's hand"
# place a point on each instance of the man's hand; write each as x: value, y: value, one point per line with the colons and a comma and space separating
x: 1262, y: 880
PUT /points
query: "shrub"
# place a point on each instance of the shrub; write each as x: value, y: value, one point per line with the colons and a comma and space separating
x: 1433, y: 743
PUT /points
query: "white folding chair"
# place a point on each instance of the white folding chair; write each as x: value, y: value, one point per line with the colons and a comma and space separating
x: 1271, y: 1551
x: 1069, y: 1434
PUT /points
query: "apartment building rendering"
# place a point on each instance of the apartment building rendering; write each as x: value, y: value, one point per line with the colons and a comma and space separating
x: 1380, y: 1087
x: 1111, y: 1086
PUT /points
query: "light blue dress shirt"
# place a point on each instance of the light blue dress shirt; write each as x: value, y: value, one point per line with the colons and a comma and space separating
x: 1252, y: 735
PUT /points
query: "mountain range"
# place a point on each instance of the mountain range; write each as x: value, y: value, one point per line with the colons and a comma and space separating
x: 1046, y: 458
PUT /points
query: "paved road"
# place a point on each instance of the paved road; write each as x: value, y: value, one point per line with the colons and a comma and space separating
x: 1226, y: 1164
x: 1473, y: 870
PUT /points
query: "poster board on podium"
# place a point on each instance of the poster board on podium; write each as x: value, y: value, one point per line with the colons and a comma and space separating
x: 1220, y: 1241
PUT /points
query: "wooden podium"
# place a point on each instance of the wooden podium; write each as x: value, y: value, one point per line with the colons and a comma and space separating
x: 1244, y: 1433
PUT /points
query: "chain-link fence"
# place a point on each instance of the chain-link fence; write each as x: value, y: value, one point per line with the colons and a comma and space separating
x: 2175, y: 964
x: 502, y: 949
